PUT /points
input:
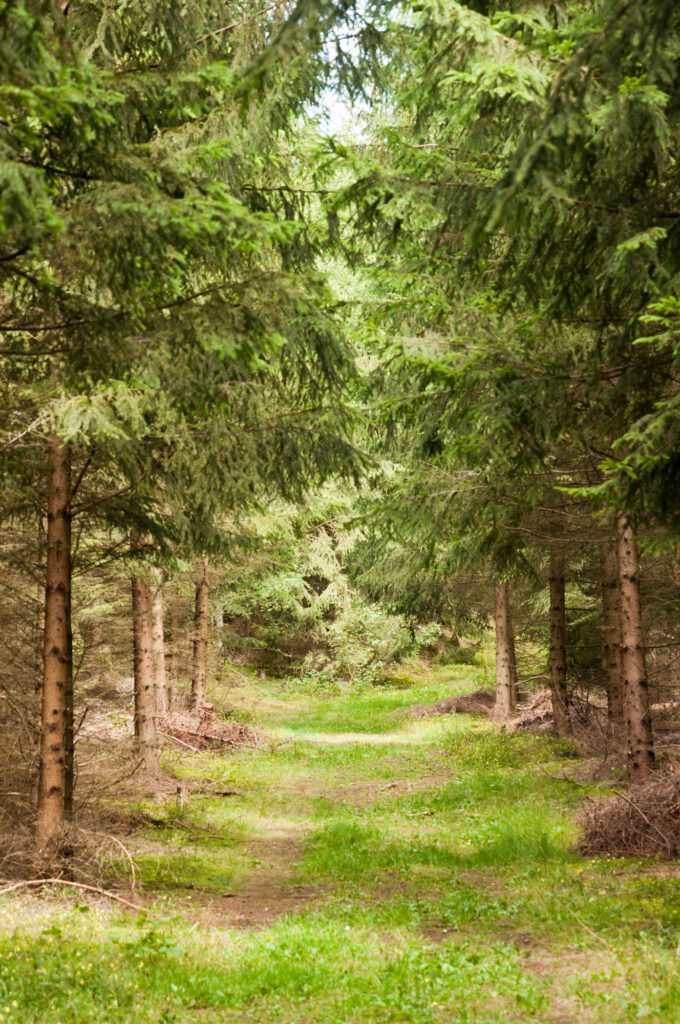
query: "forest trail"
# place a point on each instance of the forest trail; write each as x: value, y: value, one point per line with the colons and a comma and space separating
x: 422, y: 872
x: 370, y: 739
x: 433, y: 832
x: 272, y: 889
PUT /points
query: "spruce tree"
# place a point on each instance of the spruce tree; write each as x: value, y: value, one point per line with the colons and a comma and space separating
x: 156, y: 292
x: 528, y: 156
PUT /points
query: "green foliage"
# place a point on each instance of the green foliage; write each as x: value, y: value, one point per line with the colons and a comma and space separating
x: 156, y: 280
x: 514, y: 751
x: 269, y: 973
x: 419, y: 917
x: 290, y: 604
x: 567, y: 124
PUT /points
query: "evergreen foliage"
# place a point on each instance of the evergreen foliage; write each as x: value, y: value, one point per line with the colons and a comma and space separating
x: 174, y: 329
x: 376, y: 387
x: 290, y: 608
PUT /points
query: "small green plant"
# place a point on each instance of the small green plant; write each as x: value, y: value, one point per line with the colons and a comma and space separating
x: 438, y: 860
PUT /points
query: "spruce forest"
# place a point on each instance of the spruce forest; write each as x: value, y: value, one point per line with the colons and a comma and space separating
x: 340, y: 512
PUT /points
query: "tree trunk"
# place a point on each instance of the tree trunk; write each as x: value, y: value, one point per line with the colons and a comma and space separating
x: 219, y: 622
x: 201, y: 624
x: 40, y: 606
x: 69, y: 729
x: 635, y: 684
x: 160, y: 677
x: 611, y: 617
x: 146, y: 735
x: 557, y: 660
x: 506, y: 668
x: 58, y: 649
x: 172, y: 660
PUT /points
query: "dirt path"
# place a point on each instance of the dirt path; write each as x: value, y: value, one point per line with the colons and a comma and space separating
x: 431, y: 862
x: 420, y: 877
x: 271, y: 889
x: 366, y: 739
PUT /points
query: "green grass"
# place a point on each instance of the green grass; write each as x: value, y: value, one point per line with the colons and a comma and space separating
x: 448, y: 886
x: 163, y: 972
x: 369, y: 709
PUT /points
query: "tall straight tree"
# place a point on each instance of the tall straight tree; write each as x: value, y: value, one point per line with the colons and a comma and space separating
x: 506, y: 666
x: 557, y: 658
x: 635, y: 683
x: 611, y: 627
x: 58, y: 659
x: 160, y: 672
x: 152, y: 273
x: 146, y: 732
x: 201, y: 634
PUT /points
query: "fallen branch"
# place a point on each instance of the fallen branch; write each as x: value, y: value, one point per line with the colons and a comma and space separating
x: 178, y: 740
x: 72, y: 885
x: 123, y: 847
x: 669, y: 705
x: 562, y: 778
x: 215, y: 792
x: 206, y: 733
x: 667, y: 844
x: 642, y: 821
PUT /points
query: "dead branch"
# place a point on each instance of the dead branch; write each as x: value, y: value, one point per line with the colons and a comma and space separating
x: 38, y: 882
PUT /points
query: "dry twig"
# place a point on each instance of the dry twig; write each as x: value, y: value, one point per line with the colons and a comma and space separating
x: 37, y: 882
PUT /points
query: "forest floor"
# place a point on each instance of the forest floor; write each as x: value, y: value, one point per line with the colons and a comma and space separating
x: 367, y: 867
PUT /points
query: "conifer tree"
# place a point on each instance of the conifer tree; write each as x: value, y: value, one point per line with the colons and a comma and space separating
x: 529, y: 157
x: 148, y: 278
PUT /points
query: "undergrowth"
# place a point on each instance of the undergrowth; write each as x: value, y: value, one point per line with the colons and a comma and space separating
x: 441, y: 863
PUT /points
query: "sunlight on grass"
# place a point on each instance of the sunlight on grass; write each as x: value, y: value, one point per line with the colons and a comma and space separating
x: 276, y: 704
x: 439, y: 858
x: 163, y: 972
x: 205, y: 869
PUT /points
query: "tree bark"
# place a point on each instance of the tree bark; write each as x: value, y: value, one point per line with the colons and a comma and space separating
x: 557, y: 659
x: 40, y: 605
x: 158, y: 636
x: 57, y: 651
x: 611, y: 647
x: 506, y: 667
x: 635, y: 684
x: 201, y: 626
x: 146, y: 734
x: 172, y: 660
x: 69, y: 728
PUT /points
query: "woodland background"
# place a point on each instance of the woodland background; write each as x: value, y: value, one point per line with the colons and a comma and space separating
x: 308, y: 403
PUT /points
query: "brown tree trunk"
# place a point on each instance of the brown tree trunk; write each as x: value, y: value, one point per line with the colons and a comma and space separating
x: 158, y: 634
x: 557, y: 660
x: 506, y: 668
x: 201, y: 625
x: 611, y: 647
x: 635, y: 684
x: 40, y: 606
x: 58, y: 649
x: 172, y: 660
x: 146, y: 735
x: 69, y: 729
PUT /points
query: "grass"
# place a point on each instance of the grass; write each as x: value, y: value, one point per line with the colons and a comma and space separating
x: 164, y: 973
x: 442, y: 869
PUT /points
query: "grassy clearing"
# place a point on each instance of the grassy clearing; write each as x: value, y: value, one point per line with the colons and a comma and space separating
x: 439, y: 870
x: 166, y: 973
x: 370, y: 709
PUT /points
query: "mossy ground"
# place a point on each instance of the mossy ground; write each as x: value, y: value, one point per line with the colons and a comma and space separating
x: 370, y: 868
